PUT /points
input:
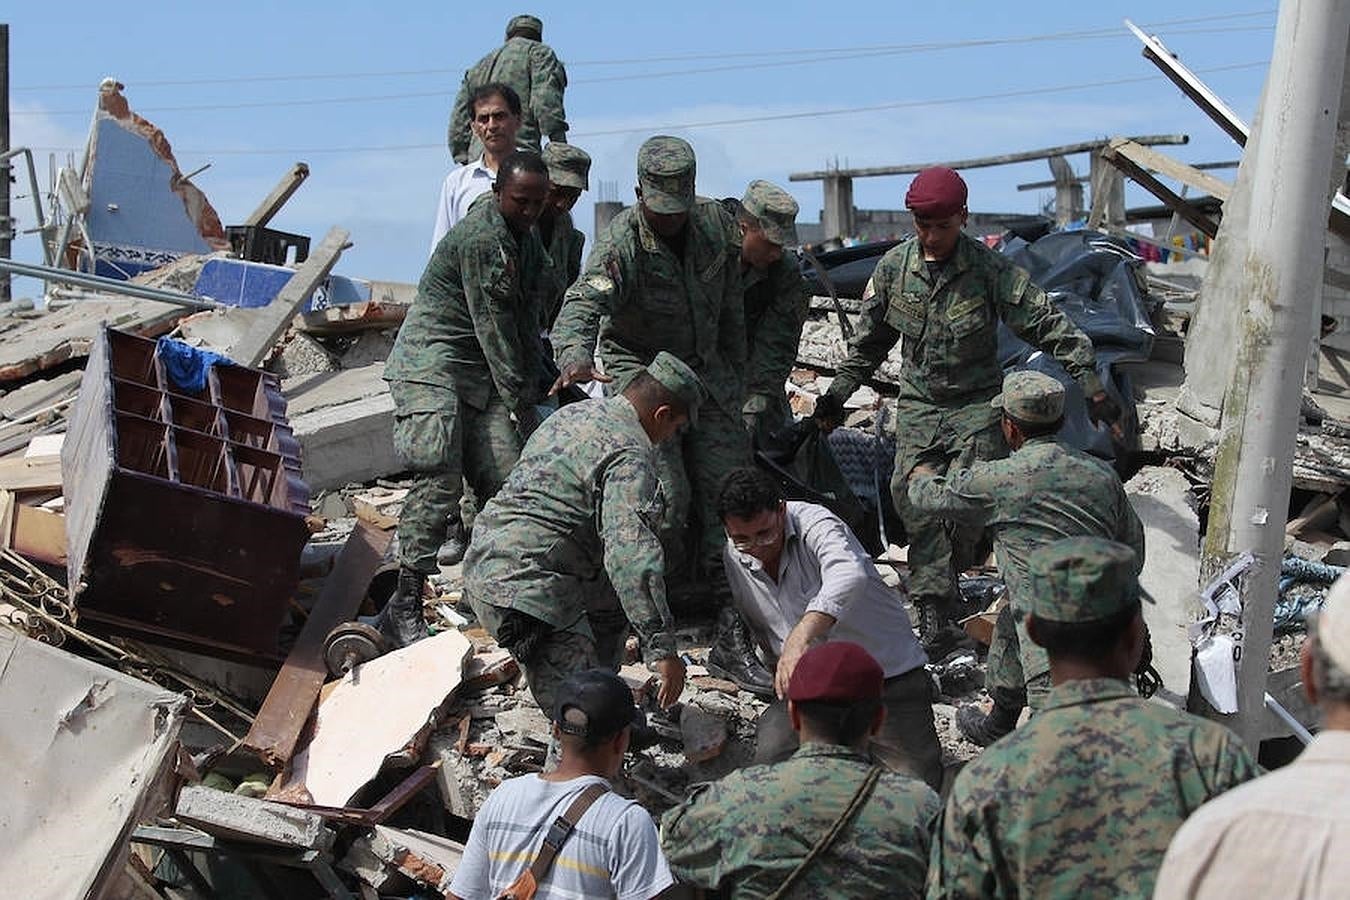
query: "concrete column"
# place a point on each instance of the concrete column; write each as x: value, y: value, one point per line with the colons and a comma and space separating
x: 605, y: 211
x: 837, y: 218
x: 1280, y: 258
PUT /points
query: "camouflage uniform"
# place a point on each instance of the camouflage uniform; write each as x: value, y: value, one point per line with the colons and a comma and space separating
x: 465, y: 360
x: 1043, y: 492
x: 571, y: 543
x: 532, y: 70
x: 565, y: 243
x: 948, y: 327
x: 744, y: 834
x: 776, y: 301
x: 637, y: 296
x: 1083, y: 799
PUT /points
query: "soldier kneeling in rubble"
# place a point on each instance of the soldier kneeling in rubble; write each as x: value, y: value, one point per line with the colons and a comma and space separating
x: 566, y: 557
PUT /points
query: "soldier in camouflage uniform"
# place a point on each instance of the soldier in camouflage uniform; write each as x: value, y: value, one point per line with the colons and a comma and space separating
x: 567, y: 556
x: 463, y: 373
x: 665, y: 275
x: 568, y: 175
x: 1044, y: 491
x: 942, y: 295
x: 747, y: 834
x: 1083, y: 799
x: 530, y: 67
x: 776, y: 301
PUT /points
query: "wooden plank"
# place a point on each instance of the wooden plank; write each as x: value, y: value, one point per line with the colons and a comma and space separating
x: 36, y: 473
x: 274, y: 318
x: 1163, y: 164
x: 6, y: 520
x: 276, y: 730
x: 39, y: 534
x: 272, y: 203
x: 1145, y: 179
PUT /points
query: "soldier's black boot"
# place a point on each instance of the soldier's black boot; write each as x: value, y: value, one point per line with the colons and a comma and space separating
x: 733, y: 655
x: 401, y: 621
x: 983, y: 728
x: 456, y: 545
x: 937, y: 635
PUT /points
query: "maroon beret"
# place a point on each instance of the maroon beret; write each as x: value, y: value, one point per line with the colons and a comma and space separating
x: 836, y: 671
x: 936, y: 193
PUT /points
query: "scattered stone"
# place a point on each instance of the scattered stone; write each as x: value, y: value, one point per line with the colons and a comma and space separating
x: 709, y: 683
x: 704, y: 735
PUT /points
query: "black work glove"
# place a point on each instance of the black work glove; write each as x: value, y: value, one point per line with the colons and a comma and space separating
x: 520, y: 633
x: 829, y: 408
x: 1102, y: 410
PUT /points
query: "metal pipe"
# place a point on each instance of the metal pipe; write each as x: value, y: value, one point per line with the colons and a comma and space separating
x: 1287, y: 718
x: 1280, y: 258
x: 108, y: 285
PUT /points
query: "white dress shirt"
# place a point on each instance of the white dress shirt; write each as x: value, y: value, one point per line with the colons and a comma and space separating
x: 824, y: 569
x: 462, y: 186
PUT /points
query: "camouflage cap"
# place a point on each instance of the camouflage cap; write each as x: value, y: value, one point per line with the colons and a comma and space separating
x: 1031, y: 397
x: 775, y: 209
x: 568, y: 165
x: 1082, y: 579
x: 666, y: 174
x: 531, y: 25
x: 680, y: 380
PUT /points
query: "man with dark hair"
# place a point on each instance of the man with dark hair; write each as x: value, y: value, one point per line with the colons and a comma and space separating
x: 942, y: 295
x: 665, y: 275
x: 533, y: 71
x: 463, y: 373
x: 1082, y: 800
x: 776, y: 300
x: 800, y: 577
x: 1286, y: 834
x: 567, y: 557
x: 612, y: 851
x: 1044, y: 491
x: 495, y: 119
x: 758, y: 829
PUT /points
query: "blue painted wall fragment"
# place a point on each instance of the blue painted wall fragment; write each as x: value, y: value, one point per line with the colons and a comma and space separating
x: 238, y: 282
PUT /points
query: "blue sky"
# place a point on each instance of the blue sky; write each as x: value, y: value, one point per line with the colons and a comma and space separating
x: 362, y: 92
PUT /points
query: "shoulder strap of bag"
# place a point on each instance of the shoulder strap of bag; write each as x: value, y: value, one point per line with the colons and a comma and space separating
x: 524, y: 886
x: 857, y: 803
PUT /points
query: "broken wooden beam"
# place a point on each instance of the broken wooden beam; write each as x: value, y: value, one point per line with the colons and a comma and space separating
x: 1151, y: 159
x: 276, y: 730
x: 1118, y: 154
x: 274, y: 318
x: 277, y: 197
x: 31, y: 473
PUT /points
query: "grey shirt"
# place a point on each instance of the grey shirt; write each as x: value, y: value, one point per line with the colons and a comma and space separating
x: 824, y: 569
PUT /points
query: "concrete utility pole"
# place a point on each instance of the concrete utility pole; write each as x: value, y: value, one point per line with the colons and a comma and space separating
x: 6, y: 223
x: 1280, y: 258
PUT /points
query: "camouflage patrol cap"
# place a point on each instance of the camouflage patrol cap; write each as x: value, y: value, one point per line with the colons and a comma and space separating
x: 775, y: 209
x: 1082, y: 579
x: 568, y: 166
x: 526, y: 25
x: 1031, y: 397
x: 666, y: 174
x: 676, y: 377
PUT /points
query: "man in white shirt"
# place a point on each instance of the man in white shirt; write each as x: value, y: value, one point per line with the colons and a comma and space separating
x: 799, y: 577
x: 613, y: 850
x: 1285, y: 834
x: 496, y: 121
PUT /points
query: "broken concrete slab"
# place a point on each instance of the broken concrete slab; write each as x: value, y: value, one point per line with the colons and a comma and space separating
x: 29, y: 346
x: 1161, y: 498
x: 703, y: 734
x: 376, y: 710
x: 236, y: 817
x: 87, y: 751
x: 344, y: 422
x: 425, y: 858
x: 39, y: 394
